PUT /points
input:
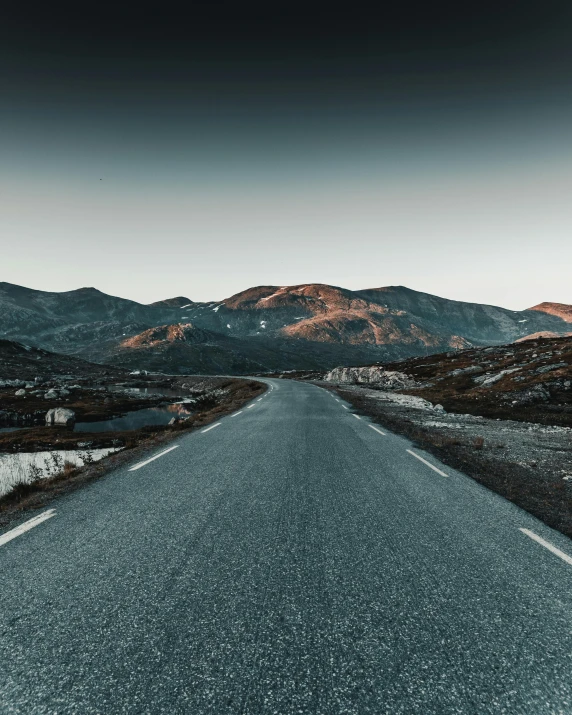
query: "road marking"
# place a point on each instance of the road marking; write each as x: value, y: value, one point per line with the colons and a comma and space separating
x: 357, y: 417
x: 236, y: 414
x: 377, y: 430
x: 250, y: 407
x: 210, y: 428
x: 258, y: 400
x: 548, y: 545
x: 26, y: 526
x: 427, y: 463
x: 337, y: 400
x: 345, y: 408
x: 142, y: 464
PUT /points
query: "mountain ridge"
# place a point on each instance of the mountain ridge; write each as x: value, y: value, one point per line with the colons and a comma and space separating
x: 321, y: 323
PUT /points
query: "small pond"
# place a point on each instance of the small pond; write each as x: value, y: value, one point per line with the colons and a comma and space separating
x: 144, y: 391
x: 147, y: 417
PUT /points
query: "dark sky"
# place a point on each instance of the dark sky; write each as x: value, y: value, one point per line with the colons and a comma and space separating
x: 284, y: 142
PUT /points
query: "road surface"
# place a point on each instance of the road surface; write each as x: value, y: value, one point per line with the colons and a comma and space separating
x: 291, y: 559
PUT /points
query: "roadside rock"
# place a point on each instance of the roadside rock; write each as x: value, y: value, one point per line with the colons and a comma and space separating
x: 20, y: 393
x: 549, y: 368
x: 12, y: 383
x: 60, y: 417
x: 373, y: 375
x: 488, y: 380
x: 538, y: 393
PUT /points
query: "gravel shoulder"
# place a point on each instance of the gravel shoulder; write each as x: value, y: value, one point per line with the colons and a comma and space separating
x: 529, y: 464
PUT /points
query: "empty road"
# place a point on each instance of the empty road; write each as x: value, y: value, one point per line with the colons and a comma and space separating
x: 290, y: 559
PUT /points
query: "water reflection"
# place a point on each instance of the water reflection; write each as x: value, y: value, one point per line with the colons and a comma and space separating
x: 147, y: 417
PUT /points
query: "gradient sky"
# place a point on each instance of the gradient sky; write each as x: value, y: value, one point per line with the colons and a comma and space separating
x: 151, y: 153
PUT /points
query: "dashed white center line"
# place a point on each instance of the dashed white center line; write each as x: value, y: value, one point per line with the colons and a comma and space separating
x: 427, y: 463
x: 337, y: 400
x: 377, y: 430
x: 548, y: 545
x: 345, y: 408
x: 250, y: 407
x: 236, y: 414
x: 142, y: 464
x: 210, y: 428
x: 258, y: 400
x: 26, y: 526
x: 357, y: 417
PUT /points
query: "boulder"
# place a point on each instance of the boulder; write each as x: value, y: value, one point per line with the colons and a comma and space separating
x: 20, y: 393
x: 12, y: 383
x: 51, y: 395
x: 60, y: 417
x: 372, y: 375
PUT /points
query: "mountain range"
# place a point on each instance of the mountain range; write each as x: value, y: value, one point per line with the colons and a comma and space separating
x: 265, y: 328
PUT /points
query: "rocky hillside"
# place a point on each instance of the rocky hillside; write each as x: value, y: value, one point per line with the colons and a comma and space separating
x: 379, y: 317
x: 268, y: 327
x: 25, y: 312
x: 560, y: 310
x: 23, y: 362
x: 529, y: 381
x: 187, y: 349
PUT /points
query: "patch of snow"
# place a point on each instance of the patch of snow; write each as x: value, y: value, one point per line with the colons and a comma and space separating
x: 216, y: 309
x: 15, y: 468
x: 523, y: 321
x: 188, y: 305
x: 228, y: 325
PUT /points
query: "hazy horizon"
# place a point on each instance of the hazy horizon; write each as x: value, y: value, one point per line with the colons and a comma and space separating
x: 151, y: 158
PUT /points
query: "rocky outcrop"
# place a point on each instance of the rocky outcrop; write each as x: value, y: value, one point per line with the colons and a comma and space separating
x: 372, y: 375
x: 60, y: 417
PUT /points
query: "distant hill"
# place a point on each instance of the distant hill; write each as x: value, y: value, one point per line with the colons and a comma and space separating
x: 186, y: 349
x: 24, y: 362
x: 560, y: 310
x: 265, y: 327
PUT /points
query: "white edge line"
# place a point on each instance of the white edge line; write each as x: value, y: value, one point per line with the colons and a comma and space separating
x: 427, y: 463
x: 152, y: 459
x: 210, y: 428
x: 377, y: 430
x: 357, y: 417
x: 237, y: 413
x: 26, y: 526
x: 548, y: 545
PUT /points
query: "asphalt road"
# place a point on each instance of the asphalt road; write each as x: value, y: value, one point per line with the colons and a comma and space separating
x: 289, y: 560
